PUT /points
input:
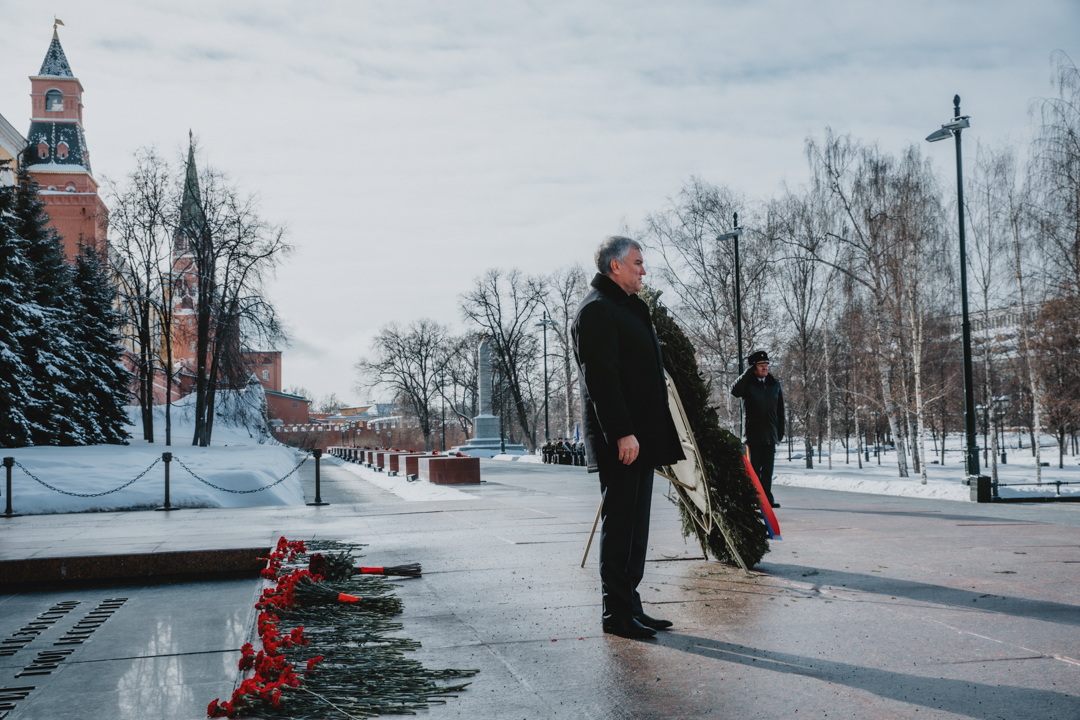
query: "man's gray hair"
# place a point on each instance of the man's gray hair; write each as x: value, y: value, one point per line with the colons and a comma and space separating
x: 615, y: 247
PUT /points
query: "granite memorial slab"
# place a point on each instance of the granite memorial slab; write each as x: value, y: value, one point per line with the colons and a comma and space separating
x: 442, y: 470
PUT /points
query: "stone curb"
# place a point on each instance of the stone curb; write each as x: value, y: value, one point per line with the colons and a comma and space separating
x: 205, y: 564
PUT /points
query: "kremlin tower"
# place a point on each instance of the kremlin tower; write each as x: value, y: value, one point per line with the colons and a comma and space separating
x: 57, y: 157
x: 185, y: 270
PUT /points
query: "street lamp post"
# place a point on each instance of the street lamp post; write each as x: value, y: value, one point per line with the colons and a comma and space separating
x: 502, y: 430
x: 861, y: 438
x: 984, y: 411
x: 544, y: 322
x: 1002, y: 403
x: 953, y: 129
x: 442, y: 395
x: 734, y: 236
x: 877, y: 437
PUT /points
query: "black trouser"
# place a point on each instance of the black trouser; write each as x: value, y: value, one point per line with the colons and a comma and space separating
x: 761, y: 459
x: 624, y: 536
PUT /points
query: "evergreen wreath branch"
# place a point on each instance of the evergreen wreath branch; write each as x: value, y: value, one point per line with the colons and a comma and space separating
x: 733, y: 506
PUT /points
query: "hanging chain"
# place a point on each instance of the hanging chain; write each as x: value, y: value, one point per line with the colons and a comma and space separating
x: 241, y: 492
x: 87, y: 495
x: 143, y: 473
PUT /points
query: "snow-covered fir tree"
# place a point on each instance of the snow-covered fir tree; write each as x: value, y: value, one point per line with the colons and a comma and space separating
x: 15, y: 377
x: 57, y: 414
x: 97, y: 339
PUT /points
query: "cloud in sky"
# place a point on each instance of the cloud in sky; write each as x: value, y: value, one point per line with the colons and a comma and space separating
x: 410, y: 146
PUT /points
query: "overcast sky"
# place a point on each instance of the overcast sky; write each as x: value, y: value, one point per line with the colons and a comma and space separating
x: 410, y: 145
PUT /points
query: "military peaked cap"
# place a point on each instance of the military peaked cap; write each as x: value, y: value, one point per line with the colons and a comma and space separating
x: 758, y: 357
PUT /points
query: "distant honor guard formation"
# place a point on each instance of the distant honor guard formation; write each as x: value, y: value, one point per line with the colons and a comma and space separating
x: 561, y: 451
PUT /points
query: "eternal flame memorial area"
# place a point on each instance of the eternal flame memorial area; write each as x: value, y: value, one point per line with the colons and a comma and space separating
x: 871, y: 607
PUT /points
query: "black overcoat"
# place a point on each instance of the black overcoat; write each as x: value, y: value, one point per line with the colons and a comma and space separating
x: 764, y: 406
x: 621, y: 372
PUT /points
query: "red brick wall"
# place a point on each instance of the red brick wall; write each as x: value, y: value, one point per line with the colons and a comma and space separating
x: 307, y: 436
x: 286, y: 409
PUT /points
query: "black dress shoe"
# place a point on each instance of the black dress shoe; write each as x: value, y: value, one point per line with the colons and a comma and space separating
x: 775, y: 504
x: 654, y: 623
x: 628, y: 628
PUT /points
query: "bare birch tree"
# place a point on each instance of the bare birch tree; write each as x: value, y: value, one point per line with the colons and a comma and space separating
x: 917, y: 222
x: 858, y: 177
x: 700, y: 271
x: 1021, y: 220
x: 1056, y: 159
x: 234, y: 252
x: 987, y: 214
x: 801, y: 225
x: 560, y: 294
x: 408, y: 362
x: 1056, y: 184
x: 138, y: 252
x: 462, y: 378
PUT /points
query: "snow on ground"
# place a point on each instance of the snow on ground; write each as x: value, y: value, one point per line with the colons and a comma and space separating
x: 415, y: 490
x: 943, y: 481
x: 236, y: 460
x: 520, y: 458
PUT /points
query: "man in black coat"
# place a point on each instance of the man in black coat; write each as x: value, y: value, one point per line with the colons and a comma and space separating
x: 763, y: 403
x: 628, y: 426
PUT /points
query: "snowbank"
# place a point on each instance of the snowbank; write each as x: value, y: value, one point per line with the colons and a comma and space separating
x: 944, y: 482
x: 873, y: 483
x: 236, y: 460
x: 417, y: 490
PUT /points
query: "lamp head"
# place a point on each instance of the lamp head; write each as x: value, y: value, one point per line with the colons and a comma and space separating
x: 958, y: 123
x: 736, y: 231
x: 943, y: 134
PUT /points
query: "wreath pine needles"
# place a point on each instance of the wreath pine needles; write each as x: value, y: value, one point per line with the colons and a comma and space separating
x: 732, y: 494
x: 328, y: 659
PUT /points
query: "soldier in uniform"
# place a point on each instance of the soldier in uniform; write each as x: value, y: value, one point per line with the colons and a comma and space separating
x: 763, y: 403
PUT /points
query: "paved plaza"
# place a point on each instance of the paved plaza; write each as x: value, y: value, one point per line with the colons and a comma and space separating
x: 871, y: 606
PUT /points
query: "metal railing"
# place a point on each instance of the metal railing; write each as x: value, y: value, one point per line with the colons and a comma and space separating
x: 1058, y: 483
x: 166, y: 458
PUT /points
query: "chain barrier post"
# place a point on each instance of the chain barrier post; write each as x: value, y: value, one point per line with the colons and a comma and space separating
x: 318, y: 481
x: 9, y: 462
x: 167, y: 458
